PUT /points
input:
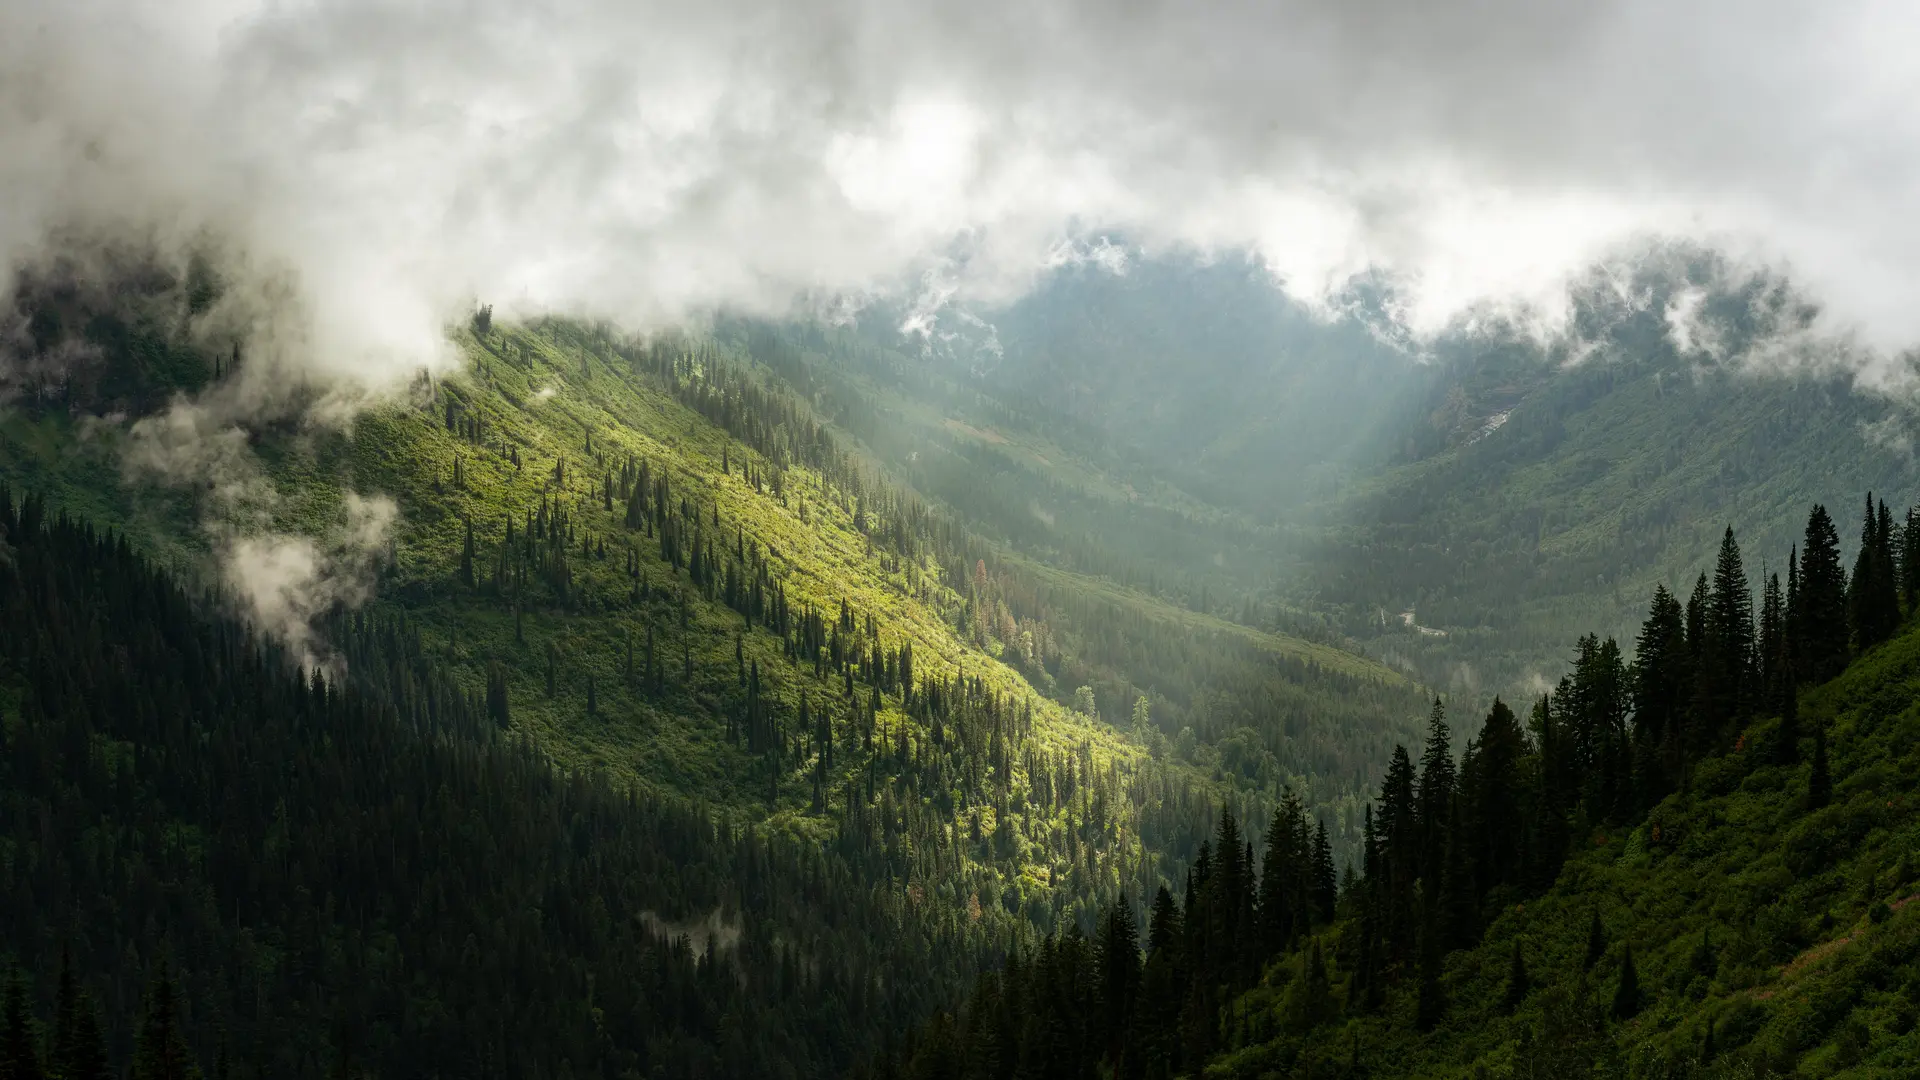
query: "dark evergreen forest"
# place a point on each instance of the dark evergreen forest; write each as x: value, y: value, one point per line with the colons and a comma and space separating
x: 1277, y: 966
x: 213, y: 860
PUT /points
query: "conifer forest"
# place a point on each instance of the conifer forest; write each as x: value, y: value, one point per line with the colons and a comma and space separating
x: 1061, y: 541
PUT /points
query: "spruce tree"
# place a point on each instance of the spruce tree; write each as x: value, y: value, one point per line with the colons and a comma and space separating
x: 1398, y: 826
x: 1492, y: 790
x: 1729, y: 652
x: 1661, y: 679
x: 1873, y: 598
x: 1118, y: 956
x: 1437, y: 781
x: 1818, y: 633
x: 1326, y: 892
x: 1772, y: 650
x: 1163, y: 925
x: 1282, y: 875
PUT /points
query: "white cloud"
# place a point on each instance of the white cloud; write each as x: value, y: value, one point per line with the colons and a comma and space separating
x: 370, y: 168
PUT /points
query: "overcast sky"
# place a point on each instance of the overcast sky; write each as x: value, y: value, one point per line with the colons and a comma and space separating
x: 385, y: 163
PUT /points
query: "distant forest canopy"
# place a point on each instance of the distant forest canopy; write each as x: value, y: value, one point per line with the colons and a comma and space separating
x: 1274, y: 967
x: 1187, y: 429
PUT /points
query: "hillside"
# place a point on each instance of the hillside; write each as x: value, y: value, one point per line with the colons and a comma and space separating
x: 210, y: 856
x: 1631, y: 881
x: 1602, y: 480
x: 676, y: 574
x: 1299, y: 473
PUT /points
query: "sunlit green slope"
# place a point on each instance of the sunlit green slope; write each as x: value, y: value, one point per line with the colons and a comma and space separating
x: 702, y: 591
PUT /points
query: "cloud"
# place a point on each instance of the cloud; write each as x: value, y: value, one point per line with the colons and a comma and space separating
x: 365, y: 170
x: 286, y: 582
x: 283, y: 581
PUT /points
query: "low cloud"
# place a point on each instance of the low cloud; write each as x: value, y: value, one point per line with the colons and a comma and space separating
x: 283, y: 581
x: 362, y: 171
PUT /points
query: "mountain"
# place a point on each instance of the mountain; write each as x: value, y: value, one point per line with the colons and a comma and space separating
x: 904, y: 656
x: 629, y: 588
x: 1459, y: 510
x: 213, y: 856
x: 1629, y: 882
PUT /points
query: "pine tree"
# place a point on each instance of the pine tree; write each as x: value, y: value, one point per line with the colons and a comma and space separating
x: 1818, y: 632
x: 1519, y: 984
x: 1626, y: 994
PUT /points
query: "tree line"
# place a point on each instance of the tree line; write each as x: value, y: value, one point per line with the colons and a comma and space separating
x: 1448, y: 842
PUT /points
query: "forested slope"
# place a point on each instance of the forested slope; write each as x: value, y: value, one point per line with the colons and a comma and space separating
x: 660, y: 558
x: 1696, y: 860
x: 271, y: 874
